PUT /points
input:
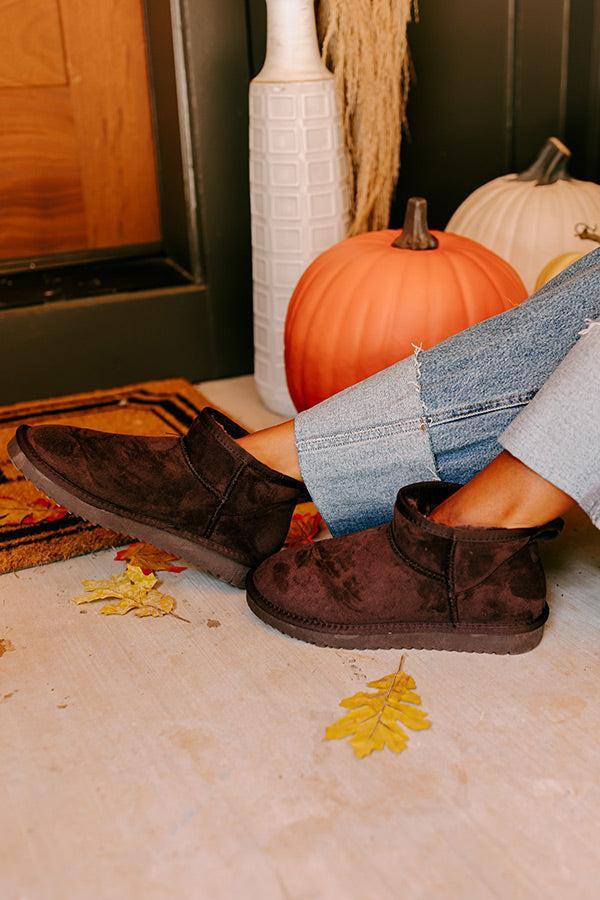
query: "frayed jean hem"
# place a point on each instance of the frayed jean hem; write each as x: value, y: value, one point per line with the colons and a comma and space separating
x: 353, y: 473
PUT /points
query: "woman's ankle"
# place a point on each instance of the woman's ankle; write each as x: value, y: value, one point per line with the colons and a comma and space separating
x: 275, y: 447
x: 465, y: 510
x: 506, y: 494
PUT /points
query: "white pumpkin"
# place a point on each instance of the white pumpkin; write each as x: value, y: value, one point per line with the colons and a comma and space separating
x: 529, y: 218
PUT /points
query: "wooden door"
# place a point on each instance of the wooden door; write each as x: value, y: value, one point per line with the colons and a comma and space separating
x: 77, y: 158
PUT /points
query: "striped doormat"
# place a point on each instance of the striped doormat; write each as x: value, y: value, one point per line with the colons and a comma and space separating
x: 33, y: 530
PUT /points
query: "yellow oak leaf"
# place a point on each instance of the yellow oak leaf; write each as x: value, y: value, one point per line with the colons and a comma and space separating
x: 134, y: 590
x: 373, y: 720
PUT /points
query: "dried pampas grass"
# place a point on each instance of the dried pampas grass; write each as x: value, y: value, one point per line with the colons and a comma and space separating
x: 364, y: 42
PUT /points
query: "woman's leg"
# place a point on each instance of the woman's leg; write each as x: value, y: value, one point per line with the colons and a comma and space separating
x: 558, y: 434
x: 275, y: 447
x: 454, y: 569
x: 555, y: 441
x: 440, y: 413
x: 506, y: 494
x: 555, y: 453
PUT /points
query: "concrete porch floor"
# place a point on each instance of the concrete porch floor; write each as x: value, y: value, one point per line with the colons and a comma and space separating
x: 156, y: 759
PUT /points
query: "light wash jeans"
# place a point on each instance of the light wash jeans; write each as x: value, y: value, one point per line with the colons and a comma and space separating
x: 526, y: 380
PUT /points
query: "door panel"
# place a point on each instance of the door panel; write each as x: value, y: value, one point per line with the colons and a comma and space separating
x: 106, y: 59
x: 41, y: 200
x: 77, y: 163
x: 32, y: 49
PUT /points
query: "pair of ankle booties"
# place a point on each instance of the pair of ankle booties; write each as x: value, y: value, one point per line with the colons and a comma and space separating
x: 410, y: 583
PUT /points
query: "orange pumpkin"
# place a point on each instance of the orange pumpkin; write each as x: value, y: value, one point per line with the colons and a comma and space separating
x: 368, y: 301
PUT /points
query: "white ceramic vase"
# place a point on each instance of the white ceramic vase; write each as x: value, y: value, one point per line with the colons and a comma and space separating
x: 298, y: 180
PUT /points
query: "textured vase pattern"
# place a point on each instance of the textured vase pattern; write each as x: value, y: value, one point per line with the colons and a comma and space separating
x: 299, y: 202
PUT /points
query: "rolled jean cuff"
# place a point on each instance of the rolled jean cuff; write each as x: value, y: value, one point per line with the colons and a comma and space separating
x: 558, y: 433
x: 357, y: 448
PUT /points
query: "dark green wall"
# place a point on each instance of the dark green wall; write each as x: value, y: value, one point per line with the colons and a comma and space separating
x: 493, y: 79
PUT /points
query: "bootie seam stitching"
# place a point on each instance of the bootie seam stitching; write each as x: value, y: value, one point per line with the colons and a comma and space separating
x: 349, y: 626
x: 452, y: 606
x: 413, y: 565
x: 215, y: 491
x: 467, y: 591
x: 244, y: 458
x: 227, y: 493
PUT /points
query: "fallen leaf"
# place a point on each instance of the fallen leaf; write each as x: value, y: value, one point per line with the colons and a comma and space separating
x: 134, y: 590
x: 373, y: 720
x: 149, y: 558
x: 5, y: 646
x: 305, y: 525
x: 19, y: 511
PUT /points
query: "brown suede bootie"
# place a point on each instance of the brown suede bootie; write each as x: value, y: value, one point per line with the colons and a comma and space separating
x: 410, y: 584
x: 201, y: 497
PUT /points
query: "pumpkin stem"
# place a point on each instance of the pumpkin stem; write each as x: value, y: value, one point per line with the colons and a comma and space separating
x: 586, y: 233
x: 415, y: 234
x: 550, y: 164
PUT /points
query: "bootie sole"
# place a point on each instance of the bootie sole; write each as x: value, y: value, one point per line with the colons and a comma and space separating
x: 197, y: 552
x: 464, y: 638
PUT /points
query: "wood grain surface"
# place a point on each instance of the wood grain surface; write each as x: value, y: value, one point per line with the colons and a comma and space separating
x: 41, y: 199
x: 106, y: 58
x: 32, y: 46
x: 77, y: 162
